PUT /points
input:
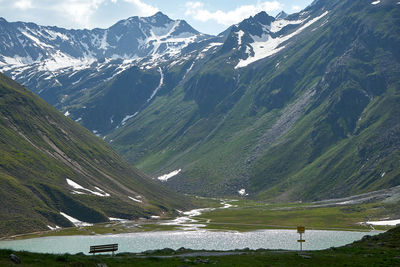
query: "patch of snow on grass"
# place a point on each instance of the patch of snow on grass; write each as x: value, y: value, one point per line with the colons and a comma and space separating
x: 74, y: 192
x: 117, y: 219
x: 105, y: 194
x: 127, y: 117
x: 53, y: 228
x: 187, y: 223
x: 266, y: 46
x: 75, y: 185
x: 388, y: 222
x: 165, y: 177
x: 135, y: 199
x: 79, y: 187
x: 346, y: 202
x: 242, y: 192
x: 226, y: 205
x: 75, y: 222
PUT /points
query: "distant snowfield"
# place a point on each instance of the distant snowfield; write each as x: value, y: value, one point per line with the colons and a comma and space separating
x: 165, y: 177
x: 265, y: 46
x: 77, y: 186
x: 76, y: 222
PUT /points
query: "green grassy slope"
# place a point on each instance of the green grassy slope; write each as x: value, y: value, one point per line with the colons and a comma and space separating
x: 319, y: 119
x: 40, y: 149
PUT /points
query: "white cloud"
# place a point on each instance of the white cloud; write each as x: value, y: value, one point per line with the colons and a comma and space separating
x: 143, y: 8
x: 199, y: 12
x: 79, y: 11
x: 75, y: 13
x: 23, y: 4
x: 296, y: 8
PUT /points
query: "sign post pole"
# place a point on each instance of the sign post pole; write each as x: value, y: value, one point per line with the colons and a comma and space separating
x: 301, y: 230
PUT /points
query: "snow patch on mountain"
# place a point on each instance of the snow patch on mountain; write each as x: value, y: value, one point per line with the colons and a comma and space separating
x: 135, y: 199
x: 242, y: 192
x: 159, y: 85
x: 240, y: 36
x: 77, y: 186
x: 165, y: 177
x: 36, y: 41
x: 74, y: 221
x: 265, y: 45
x: 53, y: 228
x: 278, y: 25
x: 127, y: 117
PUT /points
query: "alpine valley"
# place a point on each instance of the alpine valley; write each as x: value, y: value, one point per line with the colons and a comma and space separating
x: 294, y: 107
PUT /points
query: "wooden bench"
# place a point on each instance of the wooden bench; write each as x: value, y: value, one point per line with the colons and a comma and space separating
x: 103, y: 248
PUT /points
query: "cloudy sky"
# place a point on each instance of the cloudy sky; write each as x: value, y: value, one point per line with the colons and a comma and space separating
x: 207, y: 16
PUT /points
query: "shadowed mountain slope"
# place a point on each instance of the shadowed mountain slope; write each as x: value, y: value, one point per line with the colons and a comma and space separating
x: 49, y: 164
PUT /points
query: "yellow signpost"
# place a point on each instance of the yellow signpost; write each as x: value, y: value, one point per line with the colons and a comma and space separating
x: 301, y: 230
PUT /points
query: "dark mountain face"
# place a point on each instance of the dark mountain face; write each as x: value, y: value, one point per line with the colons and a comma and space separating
x: 50, y: 166
x: 300, y: 106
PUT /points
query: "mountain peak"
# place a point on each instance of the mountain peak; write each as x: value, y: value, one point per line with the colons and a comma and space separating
x: 281, y: 15
x: 158, y: 17
x: 263, y: 18
x: 159, y: 14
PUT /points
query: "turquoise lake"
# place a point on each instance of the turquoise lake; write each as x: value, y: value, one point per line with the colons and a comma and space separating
x: 199, y: 239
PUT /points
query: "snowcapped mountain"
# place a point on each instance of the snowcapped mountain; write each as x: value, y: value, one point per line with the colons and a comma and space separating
x: 81, y: 72
x: 68, y: 67
x: 262, y: 36
x: 53, y: 48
